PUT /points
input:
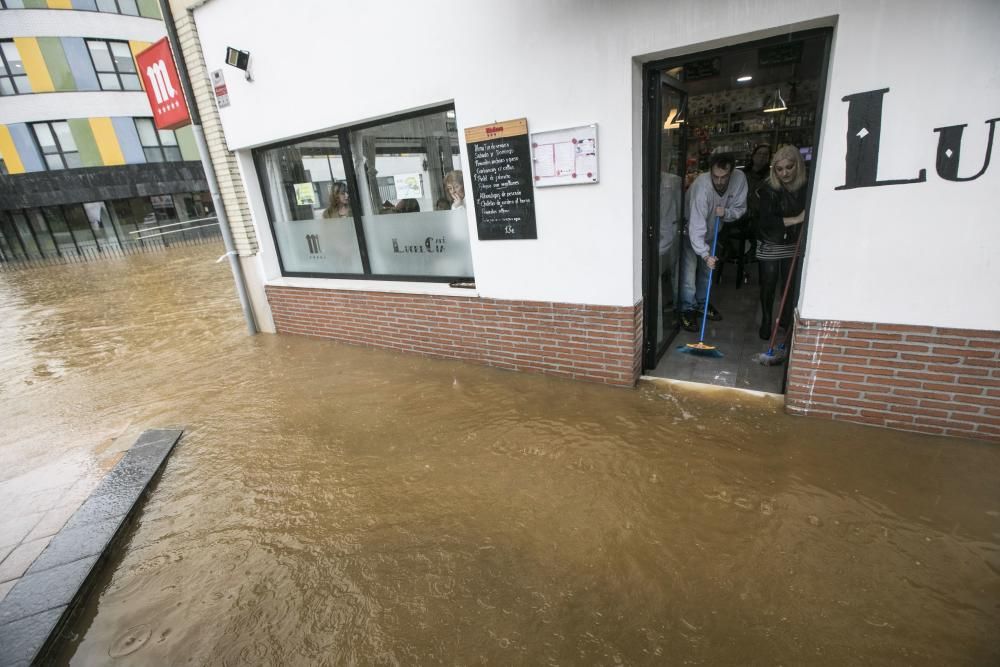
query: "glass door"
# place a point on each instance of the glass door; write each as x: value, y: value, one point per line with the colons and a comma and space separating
x: 664, y: 167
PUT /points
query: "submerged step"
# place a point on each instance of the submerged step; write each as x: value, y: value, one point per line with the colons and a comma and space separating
x: 41, y: 601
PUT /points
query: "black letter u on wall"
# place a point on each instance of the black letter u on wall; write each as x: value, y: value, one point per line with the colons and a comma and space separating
x: 949, y: 151
x: 864, y: 131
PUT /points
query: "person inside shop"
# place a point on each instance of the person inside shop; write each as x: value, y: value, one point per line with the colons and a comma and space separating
x: 455, y: 187
x: 670, y: 218
x: 745, y: 229
x: 340, y: 206
x: 407, y: 206
x: 720, y: 192
x: 782, y: 208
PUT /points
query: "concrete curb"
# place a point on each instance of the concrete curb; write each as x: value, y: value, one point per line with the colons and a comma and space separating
x: 34, y: 610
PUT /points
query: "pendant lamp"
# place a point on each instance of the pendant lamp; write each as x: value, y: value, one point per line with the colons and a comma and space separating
x: 776, y: 103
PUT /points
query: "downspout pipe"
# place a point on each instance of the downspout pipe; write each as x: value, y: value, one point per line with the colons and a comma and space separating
x: 206, y: 164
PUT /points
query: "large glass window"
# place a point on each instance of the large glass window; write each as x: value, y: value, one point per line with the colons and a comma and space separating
x: 56, y: 223
x: 311, y: 208
x: 13, y: 78
x: 157, y: 145
x: 56, y: 142
x: 114, y: 65
x: 381, y: 200
x: 40, y: 230
x: 23, y: 229
x: 10, y: 242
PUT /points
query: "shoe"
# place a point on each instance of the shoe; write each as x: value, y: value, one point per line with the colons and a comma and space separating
x: 713, y: 314
x: 689, y: 320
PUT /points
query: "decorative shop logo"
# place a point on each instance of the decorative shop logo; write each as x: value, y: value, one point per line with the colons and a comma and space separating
x: 431, y: 245
x: 864, y: 130
x: 159, y: 81
x: 313, y: 241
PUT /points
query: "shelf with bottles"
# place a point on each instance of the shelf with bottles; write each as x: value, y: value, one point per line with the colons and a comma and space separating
x: 798, y: 116
x: 769, y: 131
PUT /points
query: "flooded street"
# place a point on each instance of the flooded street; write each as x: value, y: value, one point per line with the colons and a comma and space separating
x: 338, y: 505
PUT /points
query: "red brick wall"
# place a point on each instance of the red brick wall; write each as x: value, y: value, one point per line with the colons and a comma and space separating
x: 914, y: 378
x: 596, y: 343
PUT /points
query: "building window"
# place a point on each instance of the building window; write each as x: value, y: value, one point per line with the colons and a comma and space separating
x: 13, y: 78
x: 118, y: 7
x: 371, y: 201
x: 158, y: 145
x: 56, y: 142
x: 11, y: 4
x: 114, y: 65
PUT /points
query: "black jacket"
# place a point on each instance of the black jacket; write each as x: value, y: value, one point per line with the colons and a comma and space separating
x: 774, y: 206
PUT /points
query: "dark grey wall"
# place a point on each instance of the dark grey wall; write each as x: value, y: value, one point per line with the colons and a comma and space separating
x: 72, y: 186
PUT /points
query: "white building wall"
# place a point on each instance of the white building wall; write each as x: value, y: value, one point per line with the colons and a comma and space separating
x: 918, y: 254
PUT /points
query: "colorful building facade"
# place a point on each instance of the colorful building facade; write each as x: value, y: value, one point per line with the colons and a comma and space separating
x: 81, y: 165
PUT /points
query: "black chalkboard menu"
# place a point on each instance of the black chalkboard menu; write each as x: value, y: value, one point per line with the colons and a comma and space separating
x: 502, y: 189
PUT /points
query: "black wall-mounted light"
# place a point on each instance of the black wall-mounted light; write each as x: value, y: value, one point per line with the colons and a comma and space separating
x: 239, y: 60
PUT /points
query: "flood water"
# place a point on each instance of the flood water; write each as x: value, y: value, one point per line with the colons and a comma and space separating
x: 338, y: 505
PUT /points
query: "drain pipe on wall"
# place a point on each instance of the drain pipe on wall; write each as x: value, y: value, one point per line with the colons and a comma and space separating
x: 206, y: 165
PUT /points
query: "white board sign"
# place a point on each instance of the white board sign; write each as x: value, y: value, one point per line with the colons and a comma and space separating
x: 565, y: 157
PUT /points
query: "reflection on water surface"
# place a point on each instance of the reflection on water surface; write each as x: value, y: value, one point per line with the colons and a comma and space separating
x: 333, y: 505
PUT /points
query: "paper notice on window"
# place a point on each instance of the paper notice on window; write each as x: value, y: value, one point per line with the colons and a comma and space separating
x: 305, y: 194
x: 408, y: 186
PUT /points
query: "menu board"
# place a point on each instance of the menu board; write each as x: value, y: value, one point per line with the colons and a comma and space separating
x: 500, y: 160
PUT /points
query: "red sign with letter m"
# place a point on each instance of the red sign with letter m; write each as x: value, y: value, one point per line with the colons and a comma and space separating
x: 163, y: 86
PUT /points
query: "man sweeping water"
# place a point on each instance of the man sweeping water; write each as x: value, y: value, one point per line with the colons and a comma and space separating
x: 719, y: 193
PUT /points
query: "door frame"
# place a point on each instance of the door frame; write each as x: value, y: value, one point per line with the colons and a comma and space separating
x: 653, y: 81
x: 651, y: 146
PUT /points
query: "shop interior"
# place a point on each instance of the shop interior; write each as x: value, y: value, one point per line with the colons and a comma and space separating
x: 735, y: 101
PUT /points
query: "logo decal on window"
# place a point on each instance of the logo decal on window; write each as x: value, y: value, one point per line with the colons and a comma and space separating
x: 313, y: 241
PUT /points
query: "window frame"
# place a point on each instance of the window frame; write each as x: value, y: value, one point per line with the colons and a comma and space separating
x: 118, y: 9
x: 114, y: 66
x: 10, y: 74
x: 59, y: 147
x: 347, y: 156
x: 160, y: 146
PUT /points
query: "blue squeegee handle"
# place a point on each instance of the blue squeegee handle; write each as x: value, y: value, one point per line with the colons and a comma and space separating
x: 708, y: 291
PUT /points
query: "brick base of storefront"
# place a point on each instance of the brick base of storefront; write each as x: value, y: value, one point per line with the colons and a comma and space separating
x: 914, y: 378
x: 595, y: 343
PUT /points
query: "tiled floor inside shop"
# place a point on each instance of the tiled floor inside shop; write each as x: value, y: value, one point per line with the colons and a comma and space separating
x: 735, y: 336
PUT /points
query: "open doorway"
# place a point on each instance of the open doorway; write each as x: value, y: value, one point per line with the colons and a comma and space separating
x: 721, y: 117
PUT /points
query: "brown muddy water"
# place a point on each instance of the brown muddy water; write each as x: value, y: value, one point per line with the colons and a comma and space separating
x: 338, y: 505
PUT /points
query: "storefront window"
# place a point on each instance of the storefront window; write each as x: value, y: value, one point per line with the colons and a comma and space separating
x: 23, y: 230
x: 388, y: 199
x: 311, y: 211
x: 56, y: 222
x: 411, y: 224
x: 41, y: 233
x: 100, y: 223
x: 79, y: 224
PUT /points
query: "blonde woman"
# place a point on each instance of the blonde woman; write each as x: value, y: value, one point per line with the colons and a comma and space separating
x: 340, y: 206
x: 781, y: 213
x: 454, y: 186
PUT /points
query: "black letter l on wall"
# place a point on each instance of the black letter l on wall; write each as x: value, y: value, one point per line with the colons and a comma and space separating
x: 864, y: 130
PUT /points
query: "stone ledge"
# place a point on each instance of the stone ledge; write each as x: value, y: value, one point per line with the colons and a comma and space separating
x: 39, y: 603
